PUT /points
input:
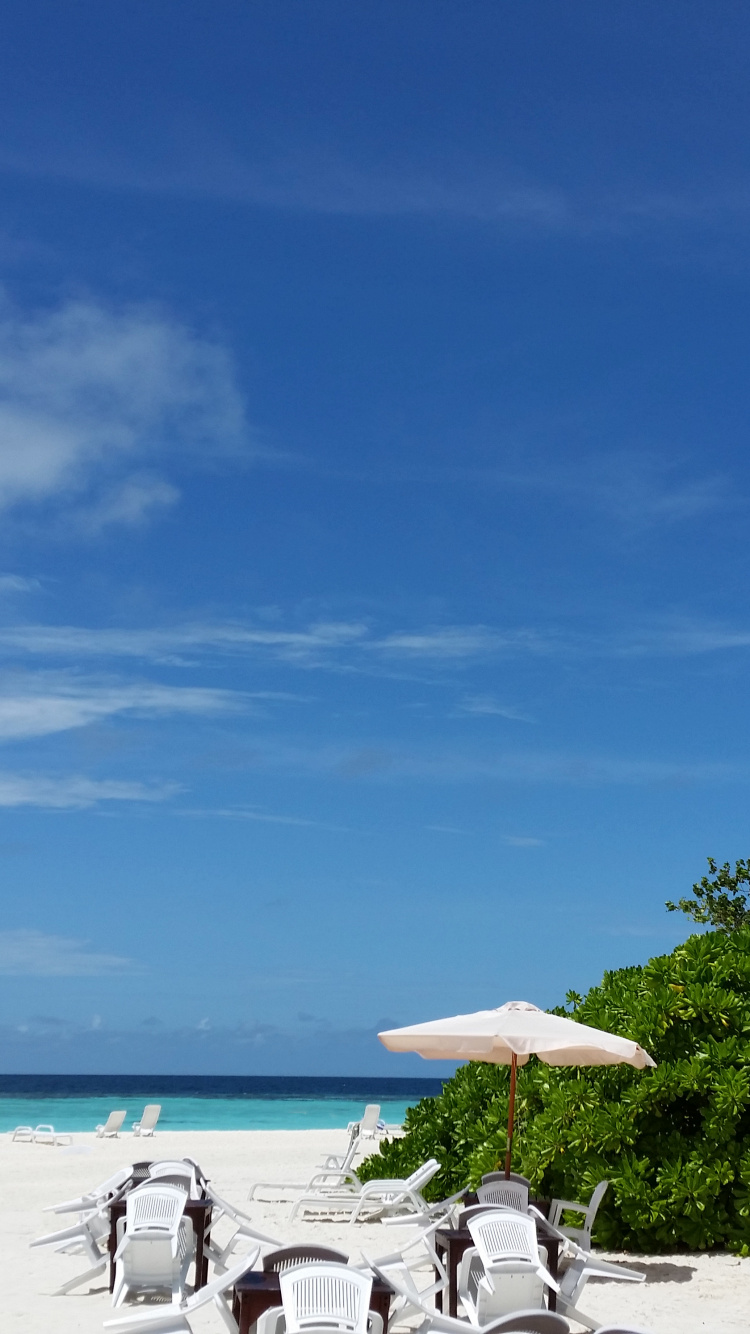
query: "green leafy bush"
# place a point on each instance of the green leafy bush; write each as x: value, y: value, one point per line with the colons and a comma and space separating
x: 674, y: 1142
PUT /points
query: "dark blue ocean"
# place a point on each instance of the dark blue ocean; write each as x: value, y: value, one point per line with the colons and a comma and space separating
x: 205, y: 1102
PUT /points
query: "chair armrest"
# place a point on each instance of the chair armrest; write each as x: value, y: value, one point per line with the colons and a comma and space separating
x: 572, y: 1205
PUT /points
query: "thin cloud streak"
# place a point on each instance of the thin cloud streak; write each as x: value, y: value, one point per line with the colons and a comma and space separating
x: 31, y: 953
x: 77, y: 793
x: 45, y: 707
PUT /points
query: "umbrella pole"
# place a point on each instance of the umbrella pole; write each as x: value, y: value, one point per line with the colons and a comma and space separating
x: 511, y: 1113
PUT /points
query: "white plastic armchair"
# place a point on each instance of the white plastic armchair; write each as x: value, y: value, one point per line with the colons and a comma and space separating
x: 147, y: 1123
x: 503, y: 1271
x: 416, y: 1254
x: 155, y: 1243
x: 244, y: 1231
x: 511, y: 1194
x: 534, y: 1321
x: 575, y: 1277
x: 112, y: 1126
x: 175, y: 1319
x: 581, y: 1235
x: 81, y: 1238
x: 180, y: 1172
x: 500, y: 1176
x: 325, y: 1294
x: 94, y: 1198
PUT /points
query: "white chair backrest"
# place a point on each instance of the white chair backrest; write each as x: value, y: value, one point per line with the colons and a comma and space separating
x: 504, y: 1236
x: 423, y: 1174
x: 325, y: 1294
x: 369, y: 1123
x: 595, y: 1201
x: 176, y: 1172
x: 114, y: 1122
x: 150, y: 1116
x: 500, y: 1176
x: 511, y: 1194
x: 154, y: 1208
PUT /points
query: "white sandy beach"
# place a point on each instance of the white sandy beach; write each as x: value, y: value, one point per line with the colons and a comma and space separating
x: 683, y: 1294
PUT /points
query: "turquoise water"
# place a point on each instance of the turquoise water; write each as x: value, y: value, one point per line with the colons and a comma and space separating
x: 73, y: 1103
x: 190, y: 1113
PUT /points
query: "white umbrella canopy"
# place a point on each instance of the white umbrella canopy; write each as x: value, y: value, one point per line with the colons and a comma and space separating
x: 508, y: 1036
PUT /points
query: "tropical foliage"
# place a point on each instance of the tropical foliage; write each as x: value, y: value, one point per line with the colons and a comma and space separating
x: 719, y: 901
x: 674, y: 1142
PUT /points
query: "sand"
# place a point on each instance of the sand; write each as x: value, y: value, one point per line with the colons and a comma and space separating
x: 683, y: 1294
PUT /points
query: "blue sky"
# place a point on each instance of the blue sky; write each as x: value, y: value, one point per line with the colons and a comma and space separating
x: 374, y: 624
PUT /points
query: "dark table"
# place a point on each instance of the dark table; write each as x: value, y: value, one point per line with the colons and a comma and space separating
x: 453, y: 1242
x: 257, y: 1290
x: 199, y: 1213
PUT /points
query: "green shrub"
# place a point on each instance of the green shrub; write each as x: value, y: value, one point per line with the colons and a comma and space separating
x: 673, y: 1142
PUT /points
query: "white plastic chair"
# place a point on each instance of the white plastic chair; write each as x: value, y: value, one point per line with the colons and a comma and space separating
x: 148, y: 1121
x: 155, y: 1243
x: 511, y: 1194
x: 180, y: 1172
x: 416, y: 1254
x: 94, y: 1198
x: 575, y: 1277
x: 325, y: 1295
x: 535, y: 1321
x: 81, y: 1238
x: 500, y: 1176
x: 581, y: 1235
x: 24, y: 1134
x: 375, y: 1198
x: 175, y: 1319
x: 244, y: 1230
x: 112, y: 1126
x: 503, y: 1272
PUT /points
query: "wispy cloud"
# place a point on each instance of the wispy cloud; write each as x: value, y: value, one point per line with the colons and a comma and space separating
x: 44, y: 706
x: 488, y: 706
x: 17, y: 583
x: 28, y: 953
x: 74, y: 792
x: 520, y: 841
x: 91, y: 397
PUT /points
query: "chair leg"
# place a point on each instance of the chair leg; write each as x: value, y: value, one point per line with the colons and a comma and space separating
x: 81, y: 1278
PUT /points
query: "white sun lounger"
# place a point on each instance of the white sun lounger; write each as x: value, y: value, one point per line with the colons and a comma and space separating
x: 112, y: 1126
x: 148, y: 1121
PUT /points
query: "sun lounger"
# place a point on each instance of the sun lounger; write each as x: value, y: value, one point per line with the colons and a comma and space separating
x: 147, y: 1123
x: 24, y: 1133
x: 48, y: 1135
x: 112, y: 1126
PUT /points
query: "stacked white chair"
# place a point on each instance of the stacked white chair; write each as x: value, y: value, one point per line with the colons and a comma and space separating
x: 576, y: 1275
x: 81, y: 1238
x: 175, y: 1319
x: 244, y: 1231
x: 512, y: 1194
x: 155, y: 1243
x: 503, y: 1271
x: 535, y: 1321
x: 94, y: 1198
x: 324, y: 1295
x: 180, y: 1172
x: 582, y: 1234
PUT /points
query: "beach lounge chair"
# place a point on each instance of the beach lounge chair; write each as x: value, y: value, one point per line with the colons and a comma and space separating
x: 534, y: 1321
x: 580, y: 1234
x: 24, y: 1134
x: 175, y: 1319
x: 147, y: 1123
x: 112, y: 1126
x: 367, y: 1128
x: 244, y: 1231
x: 503, y: 1271
x: 510, y: 1194
x: 375, y: 1198
x: 155, y: 1243
x: 48, y: 1135
x: 81, y: 1238
x: 334, y: 1173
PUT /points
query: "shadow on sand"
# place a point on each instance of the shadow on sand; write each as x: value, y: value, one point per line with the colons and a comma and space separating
x: 656, y: 1271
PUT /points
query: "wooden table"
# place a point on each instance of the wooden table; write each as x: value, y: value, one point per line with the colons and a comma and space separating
x: 453, y: 1242
x: 199, y: 1213
x: 257, y: 1290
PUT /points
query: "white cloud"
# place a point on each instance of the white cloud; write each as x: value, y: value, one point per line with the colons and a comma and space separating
x: 486, y: 705
x: 46, y: 706
x: 75, y: 792
x: 519, y: 841
x: 17, y: 583
x: 27, y: 953
x: 89, y: 395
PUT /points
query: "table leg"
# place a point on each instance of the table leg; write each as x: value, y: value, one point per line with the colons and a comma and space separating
x: 553, y: 1253
x: 453, y: 1261
x: 252, y: 1305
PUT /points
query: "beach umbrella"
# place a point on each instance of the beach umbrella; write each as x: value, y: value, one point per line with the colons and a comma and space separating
x: 508, y: 1036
